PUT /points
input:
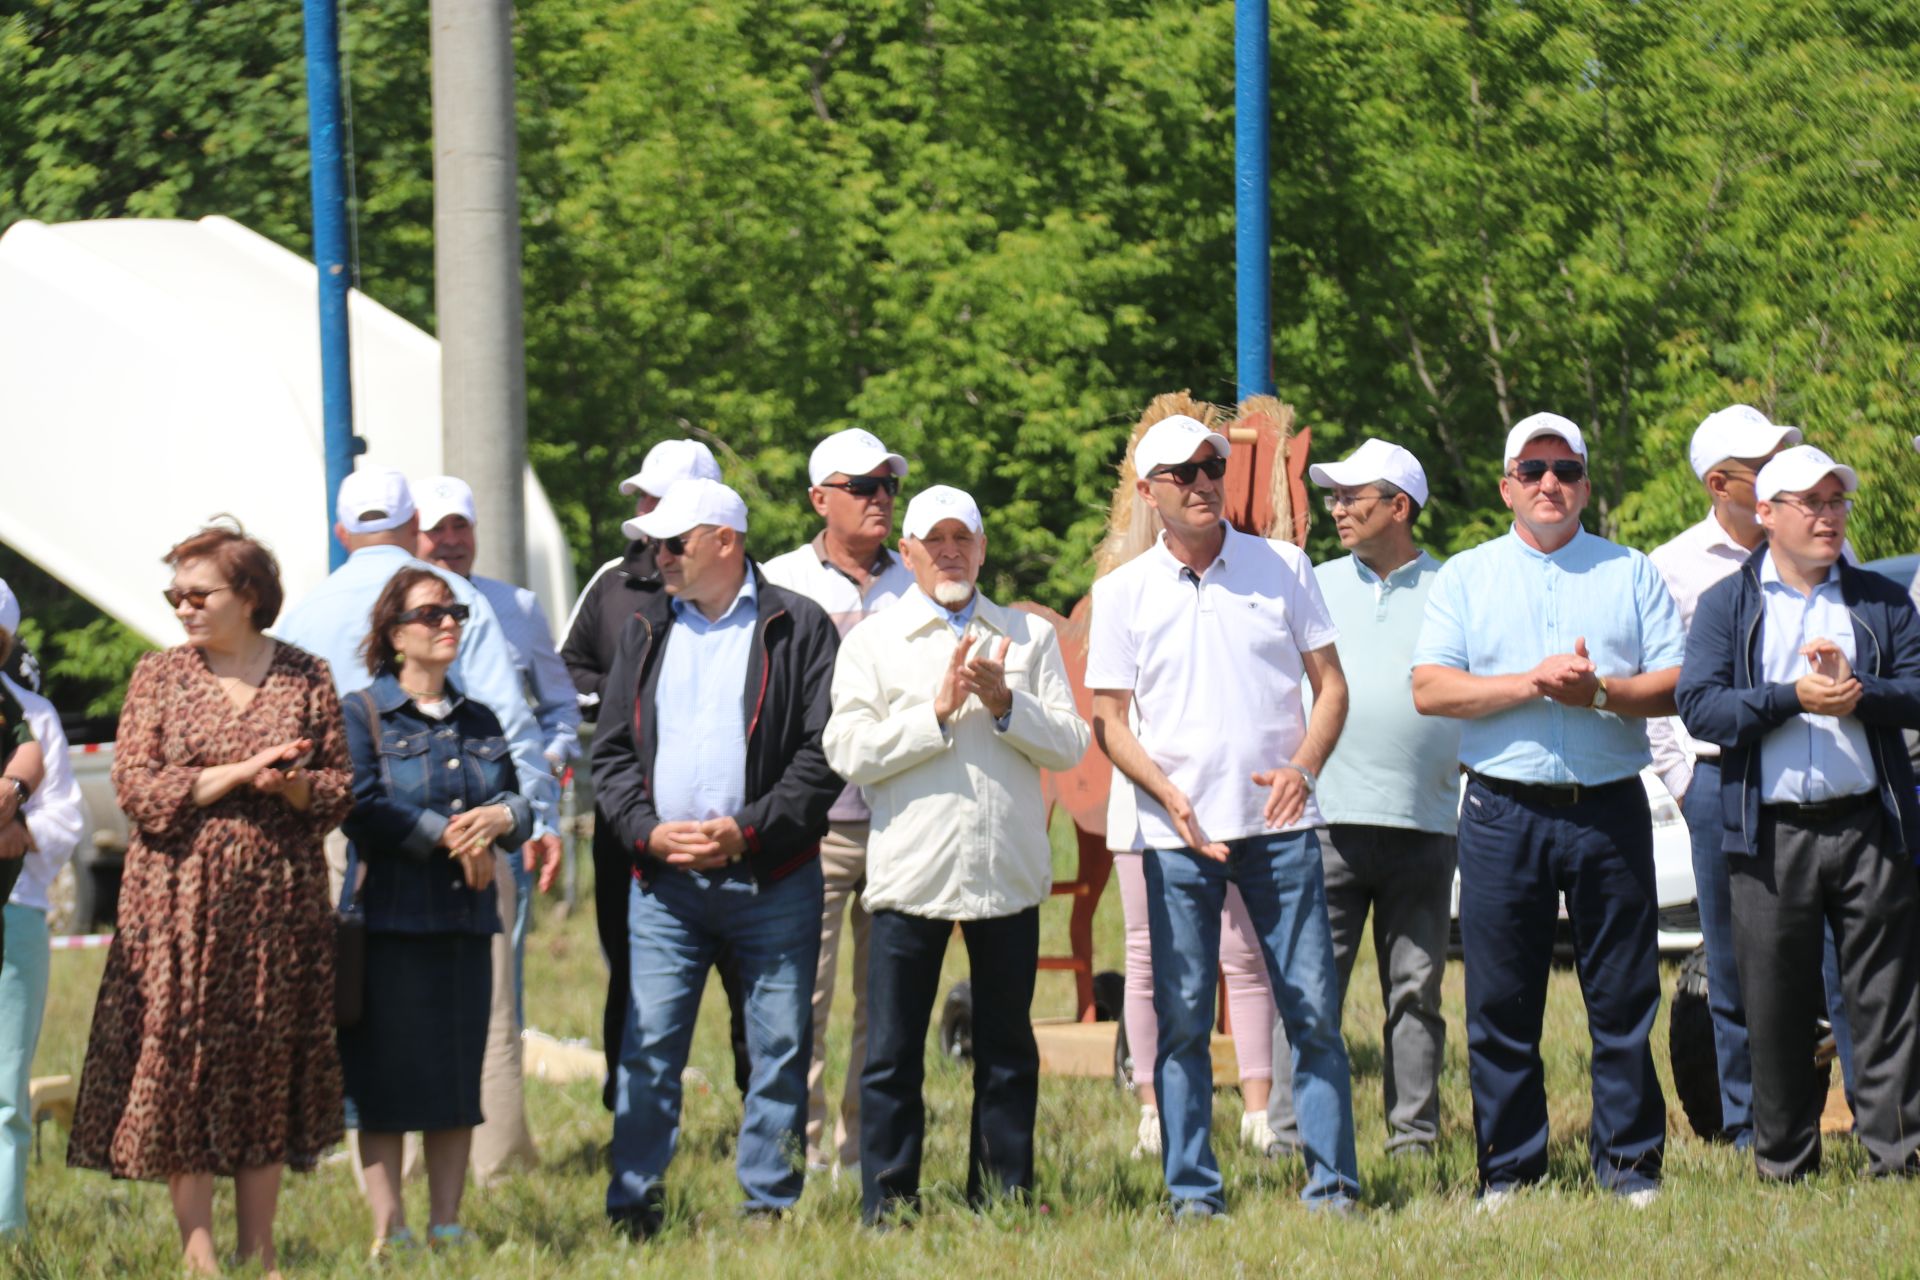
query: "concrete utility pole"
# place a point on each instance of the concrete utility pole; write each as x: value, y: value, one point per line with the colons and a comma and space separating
x: 476, y: 261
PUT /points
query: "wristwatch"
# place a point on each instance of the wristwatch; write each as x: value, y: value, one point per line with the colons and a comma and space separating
x: 20, y: 785
x: 1303, y: 771
x: 1599, y: 694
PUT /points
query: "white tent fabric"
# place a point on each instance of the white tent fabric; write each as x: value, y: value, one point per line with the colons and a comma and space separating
x: 156, y: 373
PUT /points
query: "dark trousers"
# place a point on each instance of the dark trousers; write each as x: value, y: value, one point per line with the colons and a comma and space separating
x: 1517, y: 858
x: 1845, y: 871
x: 903, y: 978
x: 612, y: 881
x: 9, y: 873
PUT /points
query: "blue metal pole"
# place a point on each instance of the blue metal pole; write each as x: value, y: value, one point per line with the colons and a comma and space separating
x: 330, y: 250
x: 1250, y: 199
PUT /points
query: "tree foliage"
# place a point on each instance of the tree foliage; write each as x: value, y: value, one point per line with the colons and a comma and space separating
x: 990, y: 231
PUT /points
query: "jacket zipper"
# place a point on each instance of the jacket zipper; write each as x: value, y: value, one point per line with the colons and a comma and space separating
x: 1753, y: 759
x: 1873, y: 742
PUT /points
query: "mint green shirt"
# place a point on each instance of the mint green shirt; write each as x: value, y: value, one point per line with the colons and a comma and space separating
x: 1392, y: 767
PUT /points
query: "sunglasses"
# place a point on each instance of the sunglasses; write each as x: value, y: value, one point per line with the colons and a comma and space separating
x: 432, y: 615
x: 194, y: 599
x: 866, y: 486
x: 1184, y: 473
x: 677, y: 544
x: 1534, y: 470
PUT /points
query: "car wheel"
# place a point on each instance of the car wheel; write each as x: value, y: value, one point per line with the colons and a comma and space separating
x: 956, y: 1022
x: 1109, y: 995
x: 1690, y: 1049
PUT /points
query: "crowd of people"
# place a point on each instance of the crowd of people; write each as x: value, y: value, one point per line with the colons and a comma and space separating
x: 847, y: 741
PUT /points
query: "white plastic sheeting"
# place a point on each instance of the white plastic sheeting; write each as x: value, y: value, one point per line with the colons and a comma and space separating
x: 156, y: 373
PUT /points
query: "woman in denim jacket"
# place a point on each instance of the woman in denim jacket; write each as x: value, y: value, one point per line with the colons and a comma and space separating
x: 434, y: 794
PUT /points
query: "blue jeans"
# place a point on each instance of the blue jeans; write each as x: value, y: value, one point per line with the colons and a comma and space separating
x: 676, y: 926
x: 1705, y: 828
x: 1518, y: 857
x: 523, y: 881
x: 1279, y: 877
x: 23, y: 1000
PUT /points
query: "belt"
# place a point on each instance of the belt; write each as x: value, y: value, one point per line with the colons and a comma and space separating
x: 1557, y: 795
x: 1821, y: 810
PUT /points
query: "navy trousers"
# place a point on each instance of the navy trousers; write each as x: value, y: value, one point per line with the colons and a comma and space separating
x: 1518, y: 857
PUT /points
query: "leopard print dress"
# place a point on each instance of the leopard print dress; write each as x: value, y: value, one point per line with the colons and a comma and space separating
x: 213, y: 1043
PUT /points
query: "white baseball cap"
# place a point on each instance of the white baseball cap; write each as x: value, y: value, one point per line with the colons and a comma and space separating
x: 1800, y: 468
x: 667, y: 464
x: 443, y: 496
x: 941, y: 502
x: 1737, y: 431
x: 374, y: 501
x: 1543, y: 424
x: 1373, y: 461
x: 852, y: 452
x: 1173, y: 440
x: 688, y: 505
x: 9, y: 609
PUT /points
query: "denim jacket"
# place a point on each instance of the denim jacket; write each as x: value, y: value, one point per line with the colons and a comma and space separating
x: 411, y: 775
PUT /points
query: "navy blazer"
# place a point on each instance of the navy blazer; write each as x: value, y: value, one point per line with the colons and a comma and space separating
x: 411, y: 774
x: 1724, y: 700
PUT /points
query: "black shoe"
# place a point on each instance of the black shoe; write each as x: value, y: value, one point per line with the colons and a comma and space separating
x: 639, y: 1224
x: 606, y: 1092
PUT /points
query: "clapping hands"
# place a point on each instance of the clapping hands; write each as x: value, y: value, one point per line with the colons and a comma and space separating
x: 1829, y: 688
x: 966, y: 676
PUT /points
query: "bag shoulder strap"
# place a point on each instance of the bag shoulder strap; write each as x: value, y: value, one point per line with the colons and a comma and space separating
x: 349, y: 899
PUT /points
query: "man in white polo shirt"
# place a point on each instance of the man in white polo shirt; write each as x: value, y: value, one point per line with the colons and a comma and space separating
x: 1211, y: 634
x: 946, y: 707
x: 848, y: 571
x: 1727, y: 451
x: 1390, y: 791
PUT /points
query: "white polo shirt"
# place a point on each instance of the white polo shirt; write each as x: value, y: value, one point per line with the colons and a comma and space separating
x: 807, y: 570
x: 1214, y: 667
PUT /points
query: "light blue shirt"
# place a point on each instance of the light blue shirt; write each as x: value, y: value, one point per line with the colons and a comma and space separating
x: 700, y: 703
x: 1392, y: 767
x: 1503, y: 606
x: 332, y: 623
x: 1809, y: 758
x: 543, y: 677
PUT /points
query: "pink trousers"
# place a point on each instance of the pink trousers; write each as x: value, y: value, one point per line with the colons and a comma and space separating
x: 1249, y: 1000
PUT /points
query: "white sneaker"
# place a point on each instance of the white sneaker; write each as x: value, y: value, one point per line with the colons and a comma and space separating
x: 1643, y: 1198
x: 1255, y: 1133
x: 1148, y: 1135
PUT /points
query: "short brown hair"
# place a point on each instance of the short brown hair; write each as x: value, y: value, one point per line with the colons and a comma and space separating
x: 378, y: 647
x: 245, y: 562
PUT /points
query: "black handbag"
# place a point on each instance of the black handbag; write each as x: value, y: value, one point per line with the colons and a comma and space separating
x: 349, y: 950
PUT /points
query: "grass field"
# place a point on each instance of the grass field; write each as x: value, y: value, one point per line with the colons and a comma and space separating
x: 1101, y: 1213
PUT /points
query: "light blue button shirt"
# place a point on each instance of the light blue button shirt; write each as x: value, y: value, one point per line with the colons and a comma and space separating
x: 700, y: 757
x: 1503, y: 606
x: 1809, y: 758
x: 1392, y: 767
x: 332, y: 623
x: 556, y: 705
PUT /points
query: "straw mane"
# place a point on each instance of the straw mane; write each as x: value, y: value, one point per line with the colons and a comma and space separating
x: 1279, y: 523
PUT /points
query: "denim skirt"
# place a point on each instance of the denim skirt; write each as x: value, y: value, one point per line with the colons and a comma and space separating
x: 413, y: 1061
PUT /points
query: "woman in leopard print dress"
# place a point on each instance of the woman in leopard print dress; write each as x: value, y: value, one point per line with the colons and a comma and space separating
x: 213, y: 1049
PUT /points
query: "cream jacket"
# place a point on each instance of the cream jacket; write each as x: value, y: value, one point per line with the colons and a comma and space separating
x: 959, y: 828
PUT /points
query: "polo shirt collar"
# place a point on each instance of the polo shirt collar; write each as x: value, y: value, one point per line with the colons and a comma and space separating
x: 1172, y: 564
x: 883, y: 559
x: 748, y: 594
x: 1396, y: 577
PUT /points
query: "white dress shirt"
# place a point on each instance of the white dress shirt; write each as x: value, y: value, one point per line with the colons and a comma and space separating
x: 1809, y: 758
x: 959, y: 824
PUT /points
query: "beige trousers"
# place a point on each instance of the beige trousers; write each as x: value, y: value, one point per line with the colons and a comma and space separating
x: 843, y: 862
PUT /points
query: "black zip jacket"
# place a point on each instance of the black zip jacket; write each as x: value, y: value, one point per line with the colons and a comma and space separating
x: 1725, y: 698
x: 613, y: 596
x: 787, y: 698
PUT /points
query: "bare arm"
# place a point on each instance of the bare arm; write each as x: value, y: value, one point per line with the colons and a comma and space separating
x: 1287, y: 787
x: 1116, y: 738
x: 1461, y: 695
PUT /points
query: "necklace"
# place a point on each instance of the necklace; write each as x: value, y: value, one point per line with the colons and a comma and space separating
x: 431, y: 695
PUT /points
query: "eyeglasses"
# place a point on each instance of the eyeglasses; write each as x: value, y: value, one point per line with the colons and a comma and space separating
x: 1184, y: 473
x: 864, y: 486
x: 432, y: 615
x: 1534, y: 470
x: 1335, y: 501
x: 194, y: 598
x: 1837, y: 508
x: 677, y: 544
